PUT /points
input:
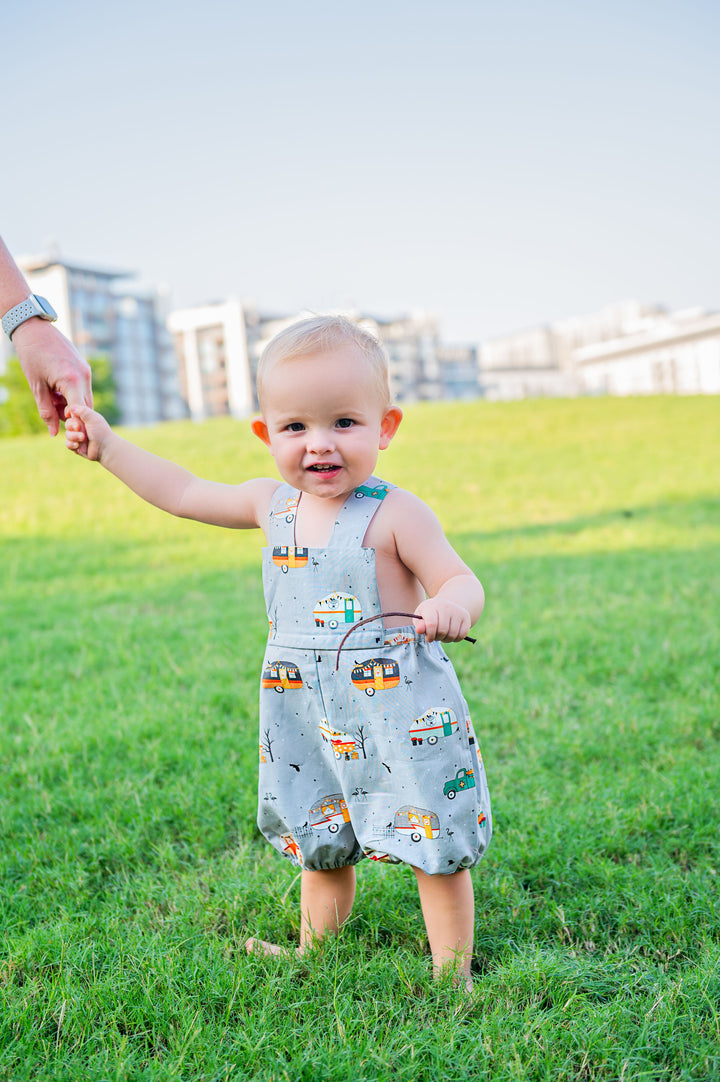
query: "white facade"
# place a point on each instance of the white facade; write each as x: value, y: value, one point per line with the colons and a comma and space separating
x: 680, y: 354
x: 211, y: 348
x: 528, y: 364
x: 624, y: 349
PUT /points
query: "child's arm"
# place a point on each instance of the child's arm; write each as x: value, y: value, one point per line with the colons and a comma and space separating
x: 455, y: 598
x: 165, y: 484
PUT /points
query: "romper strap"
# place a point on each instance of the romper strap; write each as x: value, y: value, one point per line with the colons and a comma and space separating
x: 355, y: 515
x: 281, y: 530
x: 352, y: 521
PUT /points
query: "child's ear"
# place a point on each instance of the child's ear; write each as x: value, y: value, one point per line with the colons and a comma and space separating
x: 260, y: 428
x: 389, y: 425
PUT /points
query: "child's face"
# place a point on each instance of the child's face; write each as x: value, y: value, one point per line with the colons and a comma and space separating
x: 324, y: 421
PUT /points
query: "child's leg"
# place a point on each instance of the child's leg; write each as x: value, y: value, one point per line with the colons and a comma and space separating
x: 448, y: 907
x: 326, y: 901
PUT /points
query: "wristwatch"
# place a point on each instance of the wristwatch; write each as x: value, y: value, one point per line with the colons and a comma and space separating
x: 33, y: 306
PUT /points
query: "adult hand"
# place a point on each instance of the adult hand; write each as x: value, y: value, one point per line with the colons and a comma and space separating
x: 58, y: 376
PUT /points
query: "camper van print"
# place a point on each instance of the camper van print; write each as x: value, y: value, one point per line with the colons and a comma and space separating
x: 419, y: 823
x: 337, y: 609
x: 331, y: 812
x: 282, y: 676
x: 376, y: 674
x: 382, y: 858
x: 287, y: 511
x: 432, y: 725
x: 287, y: 556
x: 342, y: 744
x: 401, y: 639
x: 291, y: 847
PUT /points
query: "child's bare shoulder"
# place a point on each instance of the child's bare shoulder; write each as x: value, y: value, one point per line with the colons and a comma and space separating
x: 259, y: 493
x: 402, y: 512
x: 403, y: 504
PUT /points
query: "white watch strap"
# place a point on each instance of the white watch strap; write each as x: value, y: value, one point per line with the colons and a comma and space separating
x: 20, y: 313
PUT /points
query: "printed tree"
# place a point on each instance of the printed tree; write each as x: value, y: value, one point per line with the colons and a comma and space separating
x: 267, y: 744
x: 360, y: 734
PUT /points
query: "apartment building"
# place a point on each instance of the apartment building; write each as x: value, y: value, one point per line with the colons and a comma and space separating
x: 202, y: 361
x: 526, y: 364
x: 211, y: 348
x: 219, y: 345
x: 677, y: 353
x: 101, y: 313
x: 627, y: 348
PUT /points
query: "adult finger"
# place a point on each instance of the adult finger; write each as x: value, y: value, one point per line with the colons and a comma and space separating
x: 76, y: 390
x: 46, y: 407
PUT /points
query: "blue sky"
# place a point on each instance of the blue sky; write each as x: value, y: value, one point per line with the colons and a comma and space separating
x: 499, y: 165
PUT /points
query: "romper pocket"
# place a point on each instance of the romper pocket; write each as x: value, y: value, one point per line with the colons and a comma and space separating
x: 428, y: 720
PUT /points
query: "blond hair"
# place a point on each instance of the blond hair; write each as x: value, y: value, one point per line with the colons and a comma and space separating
x: 321, y: 334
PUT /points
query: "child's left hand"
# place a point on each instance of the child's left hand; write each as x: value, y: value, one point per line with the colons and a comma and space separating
x: 443, y: 620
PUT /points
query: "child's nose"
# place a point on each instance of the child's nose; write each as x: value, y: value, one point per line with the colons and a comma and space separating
x: 319, y: 441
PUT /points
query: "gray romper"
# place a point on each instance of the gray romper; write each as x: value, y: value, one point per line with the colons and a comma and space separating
x: 375, y: 759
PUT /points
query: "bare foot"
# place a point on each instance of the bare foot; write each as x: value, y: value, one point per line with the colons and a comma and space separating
x: 462, y: 981
x: 261, y: 946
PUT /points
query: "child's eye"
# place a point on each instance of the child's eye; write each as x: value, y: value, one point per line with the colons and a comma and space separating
x: 296, y: 426
x: 345, y: 422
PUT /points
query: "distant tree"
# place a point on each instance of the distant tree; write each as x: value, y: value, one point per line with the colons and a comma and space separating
x: 18, y: 411
x: 104, y: 389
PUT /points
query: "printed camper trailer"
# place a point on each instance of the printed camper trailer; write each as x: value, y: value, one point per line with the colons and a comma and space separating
x: 376, y: 674
x: 432, y: 725
x: 419, y: 823
x: 343, y: 744
x: 332, y: 812
x: 337, y: 609
x: 287, y: 511
x: 287, y: 556
x: 282, y: 676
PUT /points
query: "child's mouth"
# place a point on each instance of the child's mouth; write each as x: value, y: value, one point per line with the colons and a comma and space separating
x: 323, y: 469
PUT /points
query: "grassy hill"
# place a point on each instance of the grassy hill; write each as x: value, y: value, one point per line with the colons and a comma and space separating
x: 130, y: 866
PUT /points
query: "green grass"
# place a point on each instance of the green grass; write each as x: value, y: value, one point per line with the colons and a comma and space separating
x: 130, y: 865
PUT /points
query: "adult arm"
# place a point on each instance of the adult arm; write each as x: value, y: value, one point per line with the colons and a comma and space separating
x: 57, y: 374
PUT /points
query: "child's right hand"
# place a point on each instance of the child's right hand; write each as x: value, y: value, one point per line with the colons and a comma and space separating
x: 85, y: 432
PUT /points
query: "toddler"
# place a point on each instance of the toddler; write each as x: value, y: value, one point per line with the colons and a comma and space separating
x: 366, y: 745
